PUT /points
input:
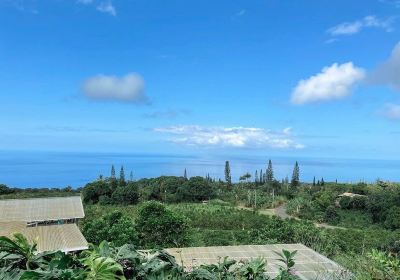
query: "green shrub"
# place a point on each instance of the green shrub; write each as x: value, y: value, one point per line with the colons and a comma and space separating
x: 126, y: 195
x: 393, y: 218
x: 113, y: 227
x: 158, y: 226
x: 331, y: 215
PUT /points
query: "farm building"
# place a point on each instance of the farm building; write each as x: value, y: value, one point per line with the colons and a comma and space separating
x: 51, y: 222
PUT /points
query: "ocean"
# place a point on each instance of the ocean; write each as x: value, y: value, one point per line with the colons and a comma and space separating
x: 61, y: 169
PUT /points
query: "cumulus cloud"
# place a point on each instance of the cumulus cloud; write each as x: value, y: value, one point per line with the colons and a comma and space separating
x: 333, y: 82
x: 350, y: 28
x: 238, y: 137
x: 391, y: 111
x: 129, y: 88
x: 107, y: 7
x: 388, y: 73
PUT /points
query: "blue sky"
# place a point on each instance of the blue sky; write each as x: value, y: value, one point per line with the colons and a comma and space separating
x: 285, y: 78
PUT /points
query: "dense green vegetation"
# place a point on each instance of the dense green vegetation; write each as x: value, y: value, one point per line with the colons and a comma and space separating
x: 171, y: 211
x: 19, y: 260
x: 373, y: 205
x: 10, y: 193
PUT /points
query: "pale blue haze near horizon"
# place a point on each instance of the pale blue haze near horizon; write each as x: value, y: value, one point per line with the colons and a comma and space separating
x: 174, y: 84
x: 56, y: 169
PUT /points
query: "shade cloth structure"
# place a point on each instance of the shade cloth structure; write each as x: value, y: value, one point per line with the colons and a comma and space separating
x: 65, y: 238
x: 41, y: 209
x: 51, y: 222
x: 309, y: 265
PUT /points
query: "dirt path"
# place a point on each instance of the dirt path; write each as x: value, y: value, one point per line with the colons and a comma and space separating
x: 281, y: 212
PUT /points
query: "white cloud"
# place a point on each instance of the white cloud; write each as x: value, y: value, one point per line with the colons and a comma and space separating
x: 238, y: 137
x: 85, y: 2
x: 350, y: 28
x: 107, y: 7
x: 333, y: 82
x: 388, y: 73
x: 391, y: 111
x: 129, y: 88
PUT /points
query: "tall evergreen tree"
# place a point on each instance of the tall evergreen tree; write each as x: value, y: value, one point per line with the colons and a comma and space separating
x: 313, y: 182
x: 208, y: 178
x: 228, y: 177
x: 270, y: 172
x: 185, y: 174
x: 122, y: 181
x: 131, y: 177
x: 112, y: 172
x: 261, y: 176
x: 296, y: 175
x: 322, y: 181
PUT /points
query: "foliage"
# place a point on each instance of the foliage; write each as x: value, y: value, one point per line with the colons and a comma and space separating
x: 393, y: 218
x: 195, y: 189
x: 253, y: 270
x: 296, y: 175
x: 287, y: 259
x: 227, y: 171
x: 331, y: 215
x: 270, y: 172
x: 13, y: 193
x: 106, y: 262
x: 158, y: 226
x: 5, y: 190
x: 113, y: 227
x: 18, y: 252
x: 93, y: 191
x: 128, y: 194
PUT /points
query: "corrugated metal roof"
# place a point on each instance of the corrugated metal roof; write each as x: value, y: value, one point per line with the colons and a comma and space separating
x: 309, y: 264
x: 65, y: 237
x: 41, y: 209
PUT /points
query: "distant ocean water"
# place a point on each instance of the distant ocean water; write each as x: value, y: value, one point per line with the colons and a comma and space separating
x: 60, y: 169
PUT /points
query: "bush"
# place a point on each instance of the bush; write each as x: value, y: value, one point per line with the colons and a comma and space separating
x: 126, y: 195
x: 105, y: 200
x: 113, y: 227
x: 331, y: 215
x: 93, y: 191
x: 393, y: 218
x: 345, y: 202
x: 196, y: 189
x: 5, y: 190
x: 160, y: 227
x: 359, y: 202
